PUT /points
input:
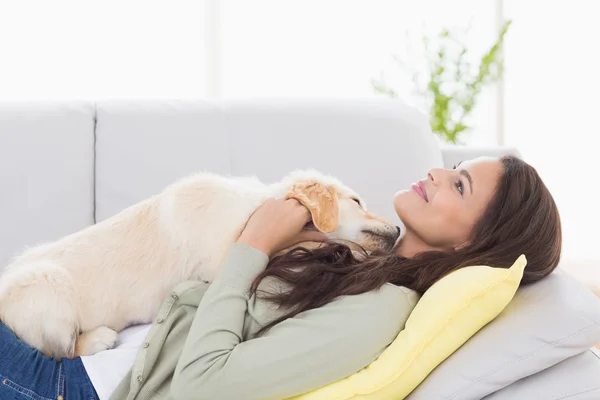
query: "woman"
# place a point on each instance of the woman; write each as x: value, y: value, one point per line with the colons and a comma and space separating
x: 274, y: 327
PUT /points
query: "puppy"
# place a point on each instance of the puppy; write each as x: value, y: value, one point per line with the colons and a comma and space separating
x: 71, y: 297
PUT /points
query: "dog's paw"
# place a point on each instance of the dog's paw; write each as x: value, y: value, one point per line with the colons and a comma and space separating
x: 96, y: 340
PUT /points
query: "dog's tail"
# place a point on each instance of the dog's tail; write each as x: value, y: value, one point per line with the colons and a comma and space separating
x: 37, y: 302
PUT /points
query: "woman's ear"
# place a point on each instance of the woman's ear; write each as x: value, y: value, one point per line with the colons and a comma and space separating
x: 322, y: 202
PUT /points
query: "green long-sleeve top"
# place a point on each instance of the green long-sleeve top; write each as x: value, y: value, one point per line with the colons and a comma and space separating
x: 202, y: 344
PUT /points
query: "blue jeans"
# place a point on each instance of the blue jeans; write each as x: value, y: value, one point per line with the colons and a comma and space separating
x: 27, y: 374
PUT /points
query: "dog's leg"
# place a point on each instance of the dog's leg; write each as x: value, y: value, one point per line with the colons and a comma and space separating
x: 37, y: 302
x: 98, y: 339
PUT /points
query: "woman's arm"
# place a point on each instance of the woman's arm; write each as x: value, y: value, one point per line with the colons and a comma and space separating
x: 300, y: 354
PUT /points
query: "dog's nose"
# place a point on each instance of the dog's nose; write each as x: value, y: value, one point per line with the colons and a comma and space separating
x: 398, y: 230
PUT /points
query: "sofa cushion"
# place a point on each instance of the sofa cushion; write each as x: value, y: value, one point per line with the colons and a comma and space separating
x: 143, y: 146
x: 376, y: 146
x: 546, y: 323
x: 576, y: 378
x: 46, y: 172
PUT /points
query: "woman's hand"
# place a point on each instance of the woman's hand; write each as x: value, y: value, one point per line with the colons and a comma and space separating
x: 276, y: 225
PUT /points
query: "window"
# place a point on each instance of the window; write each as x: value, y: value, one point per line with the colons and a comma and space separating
x: 551, y: 85
x: 73, y: 49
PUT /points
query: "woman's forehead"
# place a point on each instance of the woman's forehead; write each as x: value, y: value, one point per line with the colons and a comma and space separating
x: 485, y: 161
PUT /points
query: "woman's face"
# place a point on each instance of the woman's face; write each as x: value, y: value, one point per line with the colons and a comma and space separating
x: 440, y: 211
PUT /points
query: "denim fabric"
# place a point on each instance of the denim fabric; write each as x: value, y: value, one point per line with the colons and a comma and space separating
x: 27, y: 374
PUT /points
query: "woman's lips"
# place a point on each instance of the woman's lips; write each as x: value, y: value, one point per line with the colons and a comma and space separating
x: 420, y: 190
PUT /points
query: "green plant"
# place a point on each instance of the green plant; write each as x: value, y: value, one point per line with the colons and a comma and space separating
x: 449, y: 84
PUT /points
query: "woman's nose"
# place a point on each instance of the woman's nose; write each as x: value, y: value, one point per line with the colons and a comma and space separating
x: 437, y: 175
x: 431, y: 176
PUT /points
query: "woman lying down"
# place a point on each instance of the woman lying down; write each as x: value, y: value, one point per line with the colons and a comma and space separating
x: 314, y: 316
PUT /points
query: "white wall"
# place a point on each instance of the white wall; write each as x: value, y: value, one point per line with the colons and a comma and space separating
x: 95, y: 49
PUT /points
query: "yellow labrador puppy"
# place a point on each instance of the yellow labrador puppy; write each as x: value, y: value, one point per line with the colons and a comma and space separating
x: 72, y: 296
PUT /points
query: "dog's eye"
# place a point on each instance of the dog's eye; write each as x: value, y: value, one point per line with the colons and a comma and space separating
x: 357, y: 201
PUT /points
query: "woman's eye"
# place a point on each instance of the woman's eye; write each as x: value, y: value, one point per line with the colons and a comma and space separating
x: 460, y: 187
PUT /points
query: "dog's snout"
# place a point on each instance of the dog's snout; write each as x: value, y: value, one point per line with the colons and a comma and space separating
x: 398, y: 230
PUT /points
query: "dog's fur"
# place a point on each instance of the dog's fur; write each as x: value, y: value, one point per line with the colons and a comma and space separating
x: 72, y: 296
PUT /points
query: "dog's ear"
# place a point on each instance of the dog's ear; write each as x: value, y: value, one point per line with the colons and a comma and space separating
x: 322, y: 202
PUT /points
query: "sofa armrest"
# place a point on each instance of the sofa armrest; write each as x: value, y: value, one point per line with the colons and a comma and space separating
x: 452, y: 155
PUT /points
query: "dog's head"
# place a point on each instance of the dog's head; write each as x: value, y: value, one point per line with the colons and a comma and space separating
x: 339, y: 212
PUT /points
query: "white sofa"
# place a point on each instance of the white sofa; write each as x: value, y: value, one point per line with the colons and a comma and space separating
x: 64, y: 166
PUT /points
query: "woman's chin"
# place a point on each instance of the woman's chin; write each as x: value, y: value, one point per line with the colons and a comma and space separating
x: 401, y: 193
x: 404, y: 203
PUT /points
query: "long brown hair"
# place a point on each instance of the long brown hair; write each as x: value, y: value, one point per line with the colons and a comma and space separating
x: 521, y: 218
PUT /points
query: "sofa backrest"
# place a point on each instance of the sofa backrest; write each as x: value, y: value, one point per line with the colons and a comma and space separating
x: 377, y: 147
x: 46, y: 172
x: 66, y: 166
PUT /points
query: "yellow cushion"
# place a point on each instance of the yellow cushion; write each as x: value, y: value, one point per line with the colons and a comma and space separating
x: 446, y: 316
